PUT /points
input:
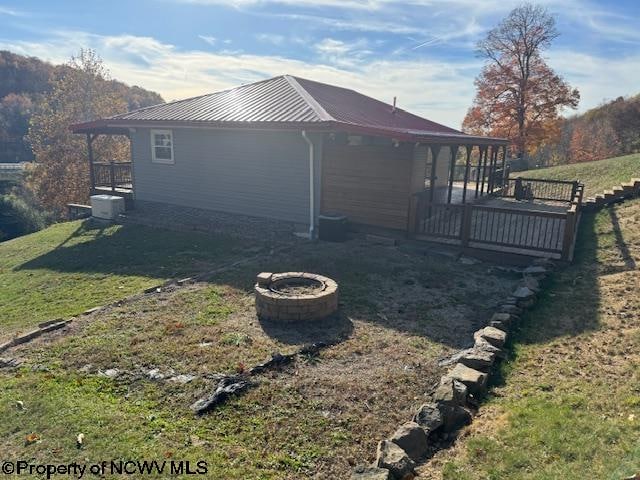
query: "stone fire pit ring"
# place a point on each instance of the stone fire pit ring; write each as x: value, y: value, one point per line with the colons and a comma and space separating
x: 295, y: 296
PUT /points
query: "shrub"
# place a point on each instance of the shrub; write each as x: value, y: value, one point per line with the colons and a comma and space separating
x: 18, y: 218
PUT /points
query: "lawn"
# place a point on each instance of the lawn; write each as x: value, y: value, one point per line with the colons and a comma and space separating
x: 73, y: 266
x: 597, y: 176
x: 401, y: 309
x: 569, y: 405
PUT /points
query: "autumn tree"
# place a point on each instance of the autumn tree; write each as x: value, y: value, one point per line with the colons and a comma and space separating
x: 518, y: 95
x: 593, y: 139
x: 15, y: 110
x: 81, y: 92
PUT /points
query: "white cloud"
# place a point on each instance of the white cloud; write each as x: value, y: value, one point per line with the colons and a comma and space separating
x: 436, y: 89
x: 209, y: 39
x: 10, y: 12
x: 598, y: 78
x: 270, y: 38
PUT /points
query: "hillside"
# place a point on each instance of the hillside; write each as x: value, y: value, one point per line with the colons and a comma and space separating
x: 609, y: 130
x: 597, y: 175
x: 23, y: 82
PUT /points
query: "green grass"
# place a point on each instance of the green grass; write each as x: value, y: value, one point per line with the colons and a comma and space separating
x: 69, y: 267
x: 597, y: 176
x: 147, y: 423
x: 401, y: 310
x: 570, y: 407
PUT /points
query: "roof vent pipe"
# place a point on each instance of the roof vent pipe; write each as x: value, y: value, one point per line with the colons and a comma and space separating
x: 311, y: 186
x: 393, y: 110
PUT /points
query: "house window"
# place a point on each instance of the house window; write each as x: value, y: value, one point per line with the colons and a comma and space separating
x: 162, y: 146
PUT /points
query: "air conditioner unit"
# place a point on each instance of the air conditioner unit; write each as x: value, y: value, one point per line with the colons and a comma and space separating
x: 107, y: 207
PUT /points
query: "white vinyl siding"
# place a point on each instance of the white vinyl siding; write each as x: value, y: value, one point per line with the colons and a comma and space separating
x: 259, y: 173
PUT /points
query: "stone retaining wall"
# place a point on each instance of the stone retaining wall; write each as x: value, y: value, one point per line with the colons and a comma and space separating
x: 458, y: 393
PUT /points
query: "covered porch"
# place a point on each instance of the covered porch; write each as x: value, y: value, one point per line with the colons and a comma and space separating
x: 108, y: 176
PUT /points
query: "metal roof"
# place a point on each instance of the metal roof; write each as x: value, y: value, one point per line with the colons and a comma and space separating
x: 285, y: 102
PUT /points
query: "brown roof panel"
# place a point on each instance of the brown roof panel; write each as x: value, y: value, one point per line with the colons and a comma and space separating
x: 273, y: 100
x: 287, y: 102
x: 348, y: 106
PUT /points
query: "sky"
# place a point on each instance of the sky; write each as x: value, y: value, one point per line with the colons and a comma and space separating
x: 420, y: 51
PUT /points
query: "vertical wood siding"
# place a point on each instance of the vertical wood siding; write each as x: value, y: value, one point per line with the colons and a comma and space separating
x: 369, y: 183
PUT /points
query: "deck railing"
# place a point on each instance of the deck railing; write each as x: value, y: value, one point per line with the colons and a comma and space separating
x: 540, y: 189
x: 522, y: 229
x: 112, y: 174
x: 518, y: 229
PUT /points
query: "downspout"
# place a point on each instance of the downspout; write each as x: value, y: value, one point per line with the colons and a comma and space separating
x: 311, y: 186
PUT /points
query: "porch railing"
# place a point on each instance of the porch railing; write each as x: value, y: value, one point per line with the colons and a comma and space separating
x: 481, y: 226
x: 540, y: 189
x: 112, y: 174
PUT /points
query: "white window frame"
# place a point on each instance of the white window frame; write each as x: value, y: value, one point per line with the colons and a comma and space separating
x: 165, y: 161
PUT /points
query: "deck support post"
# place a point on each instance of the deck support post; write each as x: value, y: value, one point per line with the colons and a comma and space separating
x: 466, y: 174
x: 505, y: 174
x: 484, y: 169
x: 465, y: 231
x: 478, y: 168
x: 493, y: 163
x: 92, y: 177
x: 569, y: 233
x: 435, y: 151
x: 112, y: 176
x: 452, y: 167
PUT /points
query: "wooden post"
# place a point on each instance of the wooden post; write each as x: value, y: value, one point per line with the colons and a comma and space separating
x: 435, y: 151
x: 569, y: 234
x: 466, y: 174
x: 452, y: 167
x: 112, y: 176
x: 465, y: 231
x: 484, y: 170
x: 478, y: 167
x: 92, y: 177
x: 574, y: 190
x: 496, y: 181
x: 490, y: 176
x: 505, y: 173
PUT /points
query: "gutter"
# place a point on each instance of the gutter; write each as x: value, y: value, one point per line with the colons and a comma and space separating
x: 311, y: 185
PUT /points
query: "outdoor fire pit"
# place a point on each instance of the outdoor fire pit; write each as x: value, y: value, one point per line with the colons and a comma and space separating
x: 295, y: 296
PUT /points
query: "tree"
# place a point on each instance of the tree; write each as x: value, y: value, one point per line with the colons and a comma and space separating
x: 593, y: 139
x: 518, y: 95
x: 15, y: 110
x: 81, y: 92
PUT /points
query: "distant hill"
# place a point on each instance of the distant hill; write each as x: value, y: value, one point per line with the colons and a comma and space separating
x: 23, y: 82
x: 609, y: 130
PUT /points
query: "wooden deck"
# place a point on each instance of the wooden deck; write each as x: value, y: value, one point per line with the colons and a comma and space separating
x: 526, y: 227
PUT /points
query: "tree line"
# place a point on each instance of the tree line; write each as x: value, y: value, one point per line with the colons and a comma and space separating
x: 38, y: 103
x: 25, y: 83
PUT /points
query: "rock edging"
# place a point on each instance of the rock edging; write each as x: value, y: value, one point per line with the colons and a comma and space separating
x: 458, y: 392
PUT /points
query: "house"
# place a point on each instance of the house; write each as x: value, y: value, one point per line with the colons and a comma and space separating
x: 291, y: 149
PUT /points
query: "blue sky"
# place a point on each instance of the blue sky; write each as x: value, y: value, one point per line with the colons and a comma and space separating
x: 421, y: 51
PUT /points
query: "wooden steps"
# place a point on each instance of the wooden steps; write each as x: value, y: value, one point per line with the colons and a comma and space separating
x: 617, y: 194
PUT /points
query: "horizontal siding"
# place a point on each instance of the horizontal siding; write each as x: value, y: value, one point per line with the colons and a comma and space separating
x: 369, y: 184
x: 255, y: 173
